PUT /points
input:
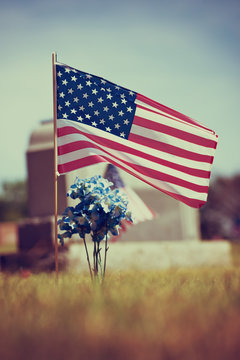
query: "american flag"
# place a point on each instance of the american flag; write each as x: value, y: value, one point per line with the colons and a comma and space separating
x: 99, y: 121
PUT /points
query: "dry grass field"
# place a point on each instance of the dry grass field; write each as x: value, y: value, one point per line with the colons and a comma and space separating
x: 188, y: 314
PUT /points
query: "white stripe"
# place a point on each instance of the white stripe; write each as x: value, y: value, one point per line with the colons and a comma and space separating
x: 84, y: 153
x: 194, y: 123
x: 157, y: 153
x: 172, y: 140
x: 140, y: 161
x: 177, y: 124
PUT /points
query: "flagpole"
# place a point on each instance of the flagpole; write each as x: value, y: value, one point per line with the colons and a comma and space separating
x: 54, y: 57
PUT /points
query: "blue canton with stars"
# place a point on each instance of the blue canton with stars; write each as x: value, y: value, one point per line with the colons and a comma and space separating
x: 91, y: 100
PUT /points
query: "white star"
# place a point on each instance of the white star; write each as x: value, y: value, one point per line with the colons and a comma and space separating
x: 64, y: 82
x: 80, y: 86
x: 88, y: 76
x: 108, y: 129
x: 117, y: 126
x: 81, y: 108
x: 109, y: 96
x: 105, y: 109
x: 70, y: 91
x: 59, y: 74
x: 73, y: 70
x: 59, y: 107
x: 90, y: 104
x: 122, y: 134
x: 62, y: 95
x: 80, y: 118
x: 109, y: 90
x: 65, y: 116
x: 117, y: 87
x: 111, y: 117
x: 85, y: 96
x: 102, y: 89
x: 123, y: 101
x: 73, y: 111
x: 102, y: 121
x: 122, y: 96
x: 129, y: 109
x: 120, y: 113
x: 87, y: 116
x: 131, y: 93
x: 94, y: 91
x: 88, y: 83
x: 67, y: 103
x: 76, y: 99
x: 100, y: 99
x: 74, y: 78
x: 103, y: 81
x: 115, y: 105
x: 94, y: 123
x: 96, y: 112
x: 67, y: 70
x: 126, y: 122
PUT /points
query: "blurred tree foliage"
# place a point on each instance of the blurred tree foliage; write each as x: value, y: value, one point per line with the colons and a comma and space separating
x: 220, y: 217
x: 13, y: 201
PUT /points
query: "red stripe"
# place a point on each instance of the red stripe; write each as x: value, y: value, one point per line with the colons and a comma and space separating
x: 122, y: 148
x: 167, y: 178
x: 156, y: 111
x: 170, y: 149
x: 180, y: 134
x: 77, y: 164
x: 170, y: 111
x: 94, y: 159
x: 190, y: 202
x: 157, y: 175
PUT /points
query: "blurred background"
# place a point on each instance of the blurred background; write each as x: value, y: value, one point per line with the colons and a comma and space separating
x: 183, y: 54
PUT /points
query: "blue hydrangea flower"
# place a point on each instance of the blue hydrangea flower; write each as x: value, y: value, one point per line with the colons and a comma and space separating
x: 100, y: 210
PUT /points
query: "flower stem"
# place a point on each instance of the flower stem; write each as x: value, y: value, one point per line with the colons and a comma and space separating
x: 94, y: 259
x: 105, y: 257
x: 97, y: 251
x: 89, y: 265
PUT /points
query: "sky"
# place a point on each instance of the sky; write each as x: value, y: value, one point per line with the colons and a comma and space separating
x: 182, y: 53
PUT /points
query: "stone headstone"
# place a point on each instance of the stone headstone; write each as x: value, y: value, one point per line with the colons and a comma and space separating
x: 40, y: 171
